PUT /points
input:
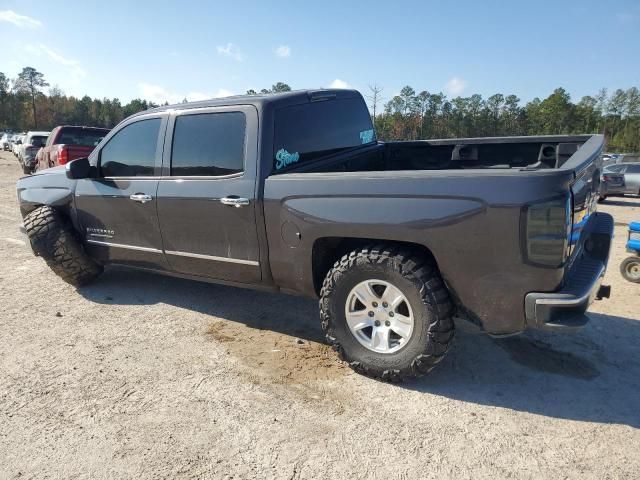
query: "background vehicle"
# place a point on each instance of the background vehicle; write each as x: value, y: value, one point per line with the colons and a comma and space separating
x: 33, y: 141
x: 16, y: 142
x: 66, y: 143
x: 5, y: 141
x: 293, y: 193
x: 620, y: 179
x: 630, y: 266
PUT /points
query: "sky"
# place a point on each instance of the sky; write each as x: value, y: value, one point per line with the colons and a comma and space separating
x: 160, y: 50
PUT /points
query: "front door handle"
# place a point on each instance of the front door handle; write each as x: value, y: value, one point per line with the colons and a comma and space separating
x: 234, y: 201
x: 140, y: 197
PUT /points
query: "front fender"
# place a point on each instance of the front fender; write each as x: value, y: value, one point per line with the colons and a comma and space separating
x: 51, y: 187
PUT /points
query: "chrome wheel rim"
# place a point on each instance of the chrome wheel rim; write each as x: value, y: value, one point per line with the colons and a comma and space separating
x: 633, y: 270
x: 379, y: 316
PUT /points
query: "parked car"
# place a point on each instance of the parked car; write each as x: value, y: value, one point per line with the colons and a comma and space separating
x: 17, y: 141
x: 66, y: 143
x: 620, y: 179
x: 27, y: 152
x: 5, y: 142
x: 293, y: 193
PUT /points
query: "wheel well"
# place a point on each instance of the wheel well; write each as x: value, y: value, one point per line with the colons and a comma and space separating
x: 328, y: 250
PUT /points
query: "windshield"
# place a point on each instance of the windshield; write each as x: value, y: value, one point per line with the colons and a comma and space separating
x: 313, y: 130
x: 85, y: 137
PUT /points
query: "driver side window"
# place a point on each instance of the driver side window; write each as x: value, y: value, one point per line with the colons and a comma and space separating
x: 132, y: 151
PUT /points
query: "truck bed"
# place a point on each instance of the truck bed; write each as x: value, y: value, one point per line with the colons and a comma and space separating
x: 466, y: 210
x: 522, y: 153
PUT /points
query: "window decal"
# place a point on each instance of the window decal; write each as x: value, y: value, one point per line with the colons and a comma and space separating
x: 284, y: 158
x: 366, y: 136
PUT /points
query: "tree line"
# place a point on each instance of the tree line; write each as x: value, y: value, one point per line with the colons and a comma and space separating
x: 25, y: 105
x: 414, y: 116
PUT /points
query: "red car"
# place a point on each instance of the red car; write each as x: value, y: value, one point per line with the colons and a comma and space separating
x: 66, y: 143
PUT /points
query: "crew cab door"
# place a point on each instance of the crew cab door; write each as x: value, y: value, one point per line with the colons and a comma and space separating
x: 117, y: 210
x: 206, y: 196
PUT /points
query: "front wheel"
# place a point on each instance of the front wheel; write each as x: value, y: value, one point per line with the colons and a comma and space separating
x: 630, y: 269
x: 387, y: 312
x: 52, y: 237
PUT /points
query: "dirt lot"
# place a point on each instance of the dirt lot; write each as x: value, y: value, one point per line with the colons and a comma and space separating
x: 142, y: 376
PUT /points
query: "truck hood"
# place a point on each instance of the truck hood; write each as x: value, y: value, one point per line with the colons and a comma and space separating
x: 49, y: 171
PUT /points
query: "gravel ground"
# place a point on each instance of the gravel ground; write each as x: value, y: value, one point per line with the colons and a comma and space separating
x: 143, y: 376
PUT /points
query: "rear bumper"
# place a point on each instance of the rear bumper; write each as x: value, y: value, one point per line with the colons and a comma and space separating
x: 566, y: 308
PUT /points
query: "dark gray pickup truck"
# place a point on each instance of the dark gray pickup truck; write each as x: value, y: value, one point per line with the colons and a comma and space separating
x: 292, y: 192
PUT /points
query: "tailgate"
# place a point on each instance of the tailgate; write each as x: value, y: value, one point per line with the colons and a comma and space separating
x: 586, y: 165
x: 78, y: 151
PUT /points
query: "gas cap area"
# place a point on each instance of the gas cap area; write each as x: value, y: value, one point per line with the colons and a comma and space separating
x: 290, y: 234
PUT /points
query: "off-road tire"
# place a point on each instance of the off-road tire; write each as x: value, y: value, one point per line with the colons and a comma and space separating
x: 419, y: 281
x: 53, y: 238
x: 624, y: 268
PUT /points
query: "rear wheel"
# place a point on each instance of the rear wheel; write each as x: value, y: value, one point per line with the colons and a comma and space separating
x: 26, y: 169
x: 630, y: 269
x: 52, y: 237
x: 387, y: 312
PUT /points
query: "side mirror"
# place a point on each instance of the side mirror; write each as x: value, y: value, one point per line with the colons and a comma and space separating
x: 79, y: 168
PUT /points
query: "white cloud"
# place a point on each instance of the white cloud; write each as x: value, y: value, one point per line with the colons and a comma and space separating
x: 337, y: 83
x: 455, y: 86
x: 283, y: 51
x: 19, y: 20
x: 75, y: 69
x: 159, y: 95
x: 230, y: 50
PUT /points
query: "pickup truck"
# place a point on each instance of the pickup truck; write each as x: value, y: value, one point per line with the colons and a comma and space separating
x: 293, y: 193
x: 66, y: 143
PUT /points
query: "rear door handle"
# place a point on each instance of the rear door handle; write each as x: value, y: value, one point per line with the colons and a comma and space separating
x: 140, y: 197
x: 234, y: 201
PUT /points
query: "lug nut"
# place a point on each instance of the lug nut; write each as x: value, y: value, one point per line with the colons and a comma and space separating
x: 377, y: 323
x: 385, y: 304
x: 375, y: 304
x: 371, y: 314
x: 387, y: 323
x: 391, y: 314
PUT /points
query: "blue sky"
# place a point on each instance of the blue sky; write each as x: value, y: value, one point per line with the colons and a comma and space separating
x: 171, y: 50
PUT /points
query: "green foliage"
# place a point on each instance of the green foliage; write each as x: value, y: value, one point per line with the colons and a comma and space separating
x: 23, y: 105
x: 277, y: 88
x: 411, y: 116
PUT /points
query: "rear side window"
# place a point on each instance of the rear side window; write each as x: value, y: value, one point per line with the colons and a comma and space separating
x: 313, y: 130
x: 86, y: 137
x: 38, y: 141
x: 208, y: 144
x: 132, y: 151
x: 633, y: 169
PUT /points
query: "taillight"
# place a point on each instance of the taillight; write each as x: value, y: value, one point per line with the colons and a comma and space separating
x: 63, y: 155
x: 547, y: 230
